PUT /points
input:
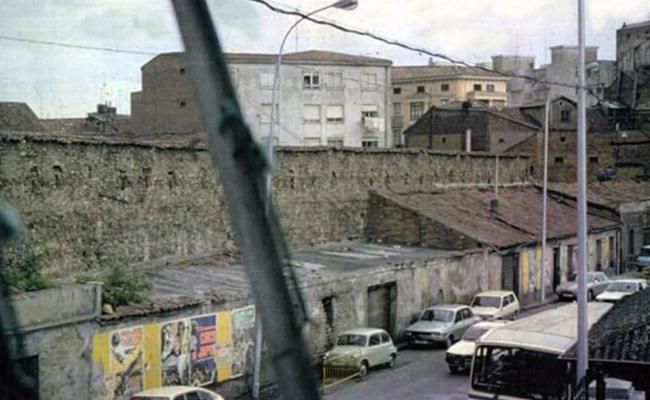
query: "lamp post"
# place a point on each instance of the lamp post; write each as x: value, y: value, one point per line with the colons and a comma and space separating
x: 342, y: 4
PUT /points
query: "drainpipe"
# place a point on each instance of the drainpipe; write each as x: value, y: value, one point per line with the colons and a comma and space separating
x: 386, y: 109
x: 468, y: 140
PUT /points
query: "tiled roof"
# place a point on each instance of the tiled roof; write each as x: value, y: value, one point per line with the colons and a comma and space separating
x: 18, y: 117
x: 610, y: 194
x: 301, y: 57
x: 439, y: 71
x: 623, y: 334
x: 518, y: 220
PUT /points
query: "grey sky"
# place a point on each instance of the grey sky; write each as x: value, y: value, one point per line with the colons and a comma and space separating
x: 61, y: 82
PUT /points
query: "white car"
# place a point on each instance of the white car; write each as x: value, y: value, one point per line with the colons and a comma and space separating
x: 496, y: 304
x: 459, y: 356
x: 620, y: 288
x: 177, y: 393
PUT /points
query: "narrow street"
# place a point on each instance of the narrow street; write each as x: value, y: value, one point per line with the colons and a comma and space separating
x: 419, y: 374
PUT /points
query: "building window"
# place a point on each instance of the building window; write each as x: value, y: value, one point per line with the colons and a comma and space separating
x: 369, y: 81
x: 334, y: 114
x: 266, y: 80
x: 593, y: 160
x: 265, y: 114
x: 416, y: 110
x: 562, y: 138
x: 335, y: 142
x: 334, y: 80
x: 501, y: 140
x: 444, y: 87
x: 369, y: 142
x: 421, y: 89
x: 443, y: 139
x: 311, y: 114
x: 369, y: 111
x: 565, y: 115
x: 490, y: 87
x: 397, y: 90
x: 559, y: 160
x: 478, y: 87
x: 310, y: 80
x: 397, y: 109
x: 181, y: 71
x: 182, y: 103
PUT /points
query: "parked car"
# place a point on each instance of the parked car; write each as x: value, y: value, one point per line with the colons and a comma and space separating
x: 441, y: 324
x: 362, y: 348
x: 459, y: 356
x: 496, y: 304
x: 597, y: 282
x: 642, y: 260
x: 177, y: 393
x: 620, y: 288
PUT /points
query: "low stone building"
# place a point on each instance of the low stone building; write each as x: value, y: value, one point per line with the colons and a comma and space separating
x: 626, y: 199
x: 509, y: 225
x: 206, y: 300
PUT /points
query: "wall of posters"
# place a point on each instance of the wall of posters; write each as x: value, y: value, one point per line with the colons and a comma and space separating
x: 198, y: 350
x: 243, y: 339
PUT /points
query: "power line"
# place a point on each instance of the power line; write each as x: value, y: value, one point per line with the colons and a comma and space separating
x: 413, y: 48
x: 76, y: 46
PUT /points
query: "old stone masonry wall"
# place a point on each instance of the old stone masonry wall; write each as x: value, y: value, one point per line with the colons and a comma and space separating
x: 87, y: 203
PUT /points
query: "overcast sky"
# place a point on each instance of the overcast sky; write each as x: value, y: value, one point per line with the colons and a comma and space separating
x: 68, y: 82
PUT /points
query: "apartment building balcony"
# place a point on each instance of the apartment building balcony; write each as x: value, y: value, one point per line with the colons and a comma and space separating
x: 397, y: 122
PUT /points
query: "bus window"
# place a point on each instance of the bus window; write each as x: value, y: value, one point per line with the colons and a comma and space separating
x: 517, y: 372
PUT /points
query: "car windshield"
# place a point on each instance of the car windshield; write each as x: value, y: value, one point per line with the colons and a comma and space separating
x: 351, y: 340
x: 487, y: 301
x: 628, y: 287
x: 437, y: 315
x: 474, y: 333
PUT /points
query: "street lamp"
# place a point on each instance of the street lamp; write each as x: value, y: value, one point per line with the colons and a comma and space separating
x: 342, y: 4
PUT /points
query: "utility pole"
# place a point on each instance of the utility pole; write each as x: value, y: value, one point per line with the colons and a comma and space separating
x: 545, y: 195
x: 582, y: 362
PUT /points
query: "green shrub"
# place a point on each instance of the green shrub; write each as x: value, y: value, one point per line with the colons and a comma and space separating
x: 123, y: 286
x: 26, y: 274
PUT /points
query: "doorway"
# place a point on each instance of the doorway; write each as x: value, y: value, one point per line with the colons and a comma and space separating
x: 382, y: 306
x: 557, y: 275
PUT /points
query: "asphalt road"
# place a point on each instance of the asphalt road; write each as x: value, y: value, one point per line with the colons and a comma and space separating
x: 419, y: 374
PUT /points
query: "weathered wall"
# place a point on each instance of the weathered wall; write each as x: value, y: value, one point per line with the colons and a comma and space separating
x: 86, y: 205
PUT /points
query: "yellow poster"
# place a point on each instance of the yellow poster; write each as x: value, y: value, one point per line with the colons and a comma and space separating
x: 152, y: 356
x: 524, y: 271
x: 126, y: 365
x: 224, y: 346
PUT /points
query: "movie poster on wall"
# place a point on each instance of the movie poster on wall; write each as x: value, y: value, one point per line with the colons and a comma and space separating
x: 126, y: 365
x: 243, y: 339
x: 203, y: 365
x: 175, y: 341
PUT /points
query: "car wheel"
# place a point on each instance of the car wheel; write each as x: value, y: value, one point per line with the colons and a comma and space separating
x: 590, y: 295
x: 363, y: 369
x: 449, y: 342
x: 453, y: 370
x: 391, y: 361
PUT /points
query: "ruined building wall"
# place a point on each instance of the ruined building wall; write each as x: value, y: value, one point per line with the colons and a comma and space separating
x: 88, y: 204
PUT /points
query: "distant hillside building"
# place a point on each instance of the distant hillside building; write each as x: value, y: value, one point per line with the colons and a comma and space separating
x: 418, y: 88
x: 632, y: 86
x: 326, y: 98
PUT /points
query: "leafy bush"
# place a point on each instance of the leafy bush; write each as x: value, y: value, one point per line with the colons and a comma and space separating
x: 123, y: 286
x: 26, y: 274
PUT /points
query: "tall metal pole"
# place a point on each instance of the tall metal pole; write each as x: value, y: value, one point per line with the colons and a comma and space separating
x: 582, y: 201
x: 545, y: 196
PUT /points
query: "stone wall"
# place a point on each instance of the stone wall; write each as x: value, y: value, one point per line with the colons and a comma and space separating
x: 87, y: 203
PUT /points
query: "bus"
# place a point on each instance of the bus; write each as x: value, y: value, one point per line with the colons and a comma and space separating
x: 521, y: 360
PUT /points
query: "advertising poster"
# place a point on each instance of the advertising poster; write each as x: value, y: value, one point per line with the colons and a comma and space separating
x: 175, y: 339
x: 224, y: 346
x: 243, y: 339
x: 202, y: 353
x: 126, y: 347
